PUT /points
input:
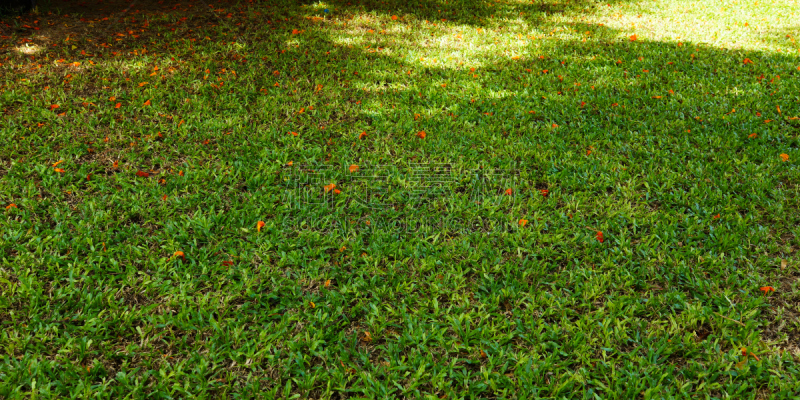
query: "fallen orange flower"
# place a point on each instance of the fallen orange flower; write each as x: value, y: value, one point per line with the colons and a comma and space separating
x: 633, y: 37
x: 508, y: 192
x: 362, y: 135
x: 523, y: 222
x: 260, y: 225
x: 767, y: 289
x: 784, y: 157
x: 330, y: 187
x: 394, y: 17
x: 10, y: 206
x: 142, y: 174
x: 179, y: 254
x: 59, y: 170
x: 353, y: 168
x: 421, y: 134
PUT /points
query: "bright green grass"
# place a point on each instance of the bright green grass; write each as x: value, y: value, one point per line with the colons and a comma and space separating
x: 646, y: 140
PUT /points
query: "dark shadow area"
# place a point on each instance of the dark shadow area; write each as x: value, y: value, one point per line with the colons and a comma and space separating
x: 16, y: 7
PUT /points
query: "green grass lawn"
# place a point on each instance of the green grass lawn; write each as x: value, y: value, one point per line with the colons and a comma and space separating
x: 226, y: 199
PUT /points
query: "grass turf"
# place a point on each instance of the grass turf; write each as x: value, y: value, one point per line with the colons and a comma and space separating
x: 170, y: 229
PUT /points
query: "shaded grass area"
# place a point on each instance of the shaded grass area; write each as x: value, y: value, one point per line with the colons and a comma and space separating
x: 177, y: 128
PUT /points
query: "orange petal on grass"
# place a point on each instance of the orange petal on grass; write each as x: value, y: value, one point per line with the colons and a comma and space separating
x: 523, y: 222
x: 59, y: 170
x: 784, y: 157
x: 118, y: 105
x: 394, y: 17
x: 353, y: 168
x: 10, y: 206
x: 259, y: 225
x: 142, y: 174
x: 58, y: 162
x: 362, y: 135
x: 633, y: 37
x: 147, y: 103
x: 179, y: 254
x: 508, y: 192
x: 328, y: 283
x: 421, y: 134
x: 330, y: 187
